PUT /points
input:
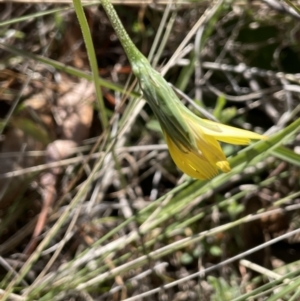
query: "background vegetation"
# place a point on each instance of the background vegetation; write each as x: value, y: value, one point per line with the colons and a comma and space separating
x: 101, y: 213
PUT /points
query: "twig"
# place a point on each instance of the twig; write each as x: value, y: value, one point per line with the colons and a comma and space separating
x: 215, y: 267
x: 262, y: 270
x: 242, y: 68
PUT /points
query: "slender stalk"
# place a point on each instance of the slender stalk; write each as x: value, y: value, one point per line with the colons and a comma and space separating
x: 132, y: 52
x: 92, y: 59
x: 156, y: 91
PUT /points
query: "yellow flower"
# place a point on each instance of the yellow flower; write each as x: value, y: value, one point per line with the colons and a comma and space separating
x: 192, y: 141
x: 204, y: 161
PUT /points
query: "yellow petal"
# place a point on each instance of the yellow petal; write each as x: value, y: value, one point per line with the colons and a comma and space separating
x: 212, y: 151
x: 231, y: 134
x: 224, y: 166
x: 194, y: 165
x: 210, y: 148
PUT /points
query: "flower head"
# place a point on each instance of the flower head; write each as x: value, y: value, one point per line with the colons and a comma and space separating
x: 205, y: 161
x: 193, y: 142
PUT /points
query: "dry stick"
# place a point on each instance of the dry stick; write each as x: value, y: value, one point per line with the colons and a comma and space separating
x: 11, y: 269
x: 159, y: 33
x: 164, y: 39
x: 159, y: 268
x: 242, y: 68
x: 246, y: 219
x: 206, y: 16
x: 59, y: 249
x: 262, y: 270
x: 38, y: 168
x: 94, y: 253
x: 25, y: 269
x: 198, y: 68
x: 227, y: 47
x: 217, y: 266
x: 12, y: 297
x: 17, y: 237
x: 86, y: 159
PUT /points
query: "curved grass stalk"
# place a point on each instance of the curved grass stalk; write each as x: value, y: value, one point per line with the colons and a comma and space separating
x: 92, y: 59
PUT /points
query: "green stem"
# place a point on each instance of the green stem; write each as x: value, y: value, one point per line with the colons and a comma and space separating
x: 132, y: 52
x: 92, y: 59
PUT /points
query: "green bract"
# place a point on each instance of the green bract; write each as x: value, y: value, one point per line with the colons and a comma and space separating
x: 164, y: 103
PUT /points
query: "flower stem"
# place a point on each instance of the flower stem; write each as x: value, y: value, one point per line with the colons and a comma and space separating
x: 132, y: 52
